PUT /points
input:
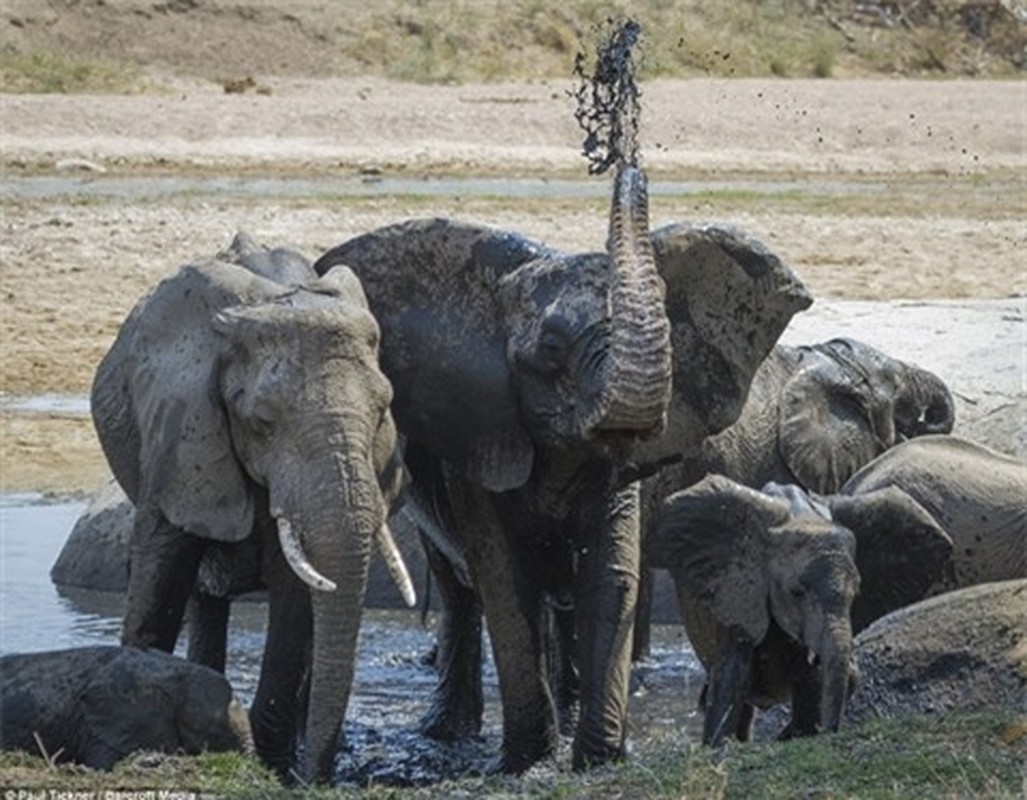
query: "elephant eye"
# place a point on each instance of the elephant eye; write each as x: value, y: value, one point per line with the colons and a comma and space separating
x: 553, y: 346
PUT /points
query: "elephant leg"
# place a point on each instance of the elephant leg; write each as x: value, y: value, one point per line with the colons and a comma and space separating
x: 641, y: 642
x: 512, y: 602
x: 563, y: 669
x: 745, y: 720
x: 208, y: 630
x: 275, y: 716
x: 805, y: 702
x: 162, y: 573
x: 457, y: 705
x: 728, y: 689
x: 606, y: 593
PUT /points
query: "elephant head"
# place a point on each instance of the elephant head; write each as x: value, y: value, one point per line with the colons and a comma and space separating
x: 767, y: 577
x: 847, y: 403
x: 497, y: 345
x: 229, y: 400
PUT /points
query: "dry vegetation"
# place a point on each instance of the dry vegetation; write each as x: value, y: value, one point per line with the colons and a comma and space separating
x: 119, y: 45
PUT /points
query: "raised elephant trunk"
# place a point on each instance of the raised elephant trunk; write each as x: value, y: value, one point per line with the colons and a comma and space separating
x: 638, y: 364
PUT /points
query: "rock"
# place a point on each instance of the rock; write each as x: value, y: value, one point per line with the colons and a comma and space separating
x: 96, y: 553
x: 964, y: 650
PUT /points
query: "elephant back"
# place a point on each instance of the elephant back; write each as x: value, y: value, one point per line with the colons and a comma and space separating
x: 976, y: 494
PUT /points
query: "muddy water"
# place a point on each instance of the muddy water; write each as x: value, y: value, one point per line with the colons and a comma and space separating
x: 393, y: 684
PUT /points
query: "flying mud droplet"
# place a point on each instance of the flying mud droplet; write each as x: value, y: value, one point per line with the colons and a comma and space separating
x: 608, y: 100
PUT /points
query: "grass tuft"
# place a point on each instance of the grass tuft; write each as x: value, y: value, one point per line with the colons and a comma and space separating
x: 53, y: 73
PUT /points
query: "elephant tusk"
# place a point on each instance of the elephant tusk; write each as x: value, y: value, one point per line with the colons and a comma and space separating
x: 293, y: 552
x: 395, y: 564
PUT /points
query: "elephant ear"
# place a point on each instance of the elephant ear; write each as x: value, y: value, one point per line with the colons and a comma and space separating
x: 187, y: 463
x: 901, y: 550
x: 729, y: 299
x: 713, y: 539
x: 431, y: 286
x: 826, y: 423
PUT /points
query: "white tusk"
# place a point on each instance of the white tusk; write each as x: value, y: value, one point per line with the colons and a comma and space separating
x: 293, y: 552
x: 395, y: 564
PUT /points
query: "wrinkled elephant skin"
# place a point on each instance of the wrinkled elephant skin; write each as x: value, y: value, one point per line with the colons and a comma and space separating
x: 241, y: 408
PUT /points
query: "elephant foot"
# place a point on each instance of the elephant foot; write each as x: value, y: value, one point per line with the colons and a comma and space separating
x: 447, y: 722
x: 514, y: 761
x: 586, y: 758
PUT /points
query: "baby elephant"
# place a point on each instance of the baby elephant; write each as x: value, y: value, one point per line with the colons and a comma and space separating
x: 95, y: 705
x: 766, y: 582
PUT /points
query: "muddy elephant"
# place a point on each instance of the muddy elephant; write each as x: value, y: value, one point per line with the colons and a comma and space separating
x: 236, y: 411
x: 523, y: 378
x: 978, y: 495
x: 96, y: 705
x: 964, y: 650
x: 767, y: 582
x: 814, y: 415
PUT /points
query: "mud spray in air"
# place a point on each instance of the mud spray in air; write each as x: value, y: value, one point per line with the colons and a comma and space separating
x: 608, y: 99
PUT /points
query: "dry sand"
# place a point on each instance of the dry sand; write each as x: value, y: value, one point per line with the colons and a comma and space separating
x: 930, y: 209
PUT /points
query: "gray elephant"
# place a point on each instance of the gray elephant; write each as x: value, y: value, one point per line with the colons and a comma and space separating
x: 767, y: 582
x: 96, y: 705
x: 237, y: 411
x: 814, y: 415
x: 524, y: 378
x: 978, y: 495
x: 962, y: 650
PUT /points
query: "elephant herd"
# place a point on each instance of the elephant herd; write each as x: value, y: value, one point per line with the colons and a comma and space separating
x: 558, y: 424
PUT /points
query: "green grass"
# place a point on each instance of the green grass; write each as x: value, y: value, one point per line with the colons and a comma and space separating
x: 978, y: 755
x: 51, y: 73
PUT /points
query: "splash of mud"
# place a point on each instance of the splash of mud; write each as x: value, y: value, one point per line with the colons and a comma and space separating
x: 608, y: 100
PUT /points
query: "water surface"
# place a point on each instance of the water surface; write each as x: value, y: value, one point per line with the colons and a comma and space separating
x: 393, y: 684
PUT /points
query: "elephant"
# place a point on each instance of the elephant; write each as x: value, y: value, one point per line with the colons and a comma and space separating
x: 814, y: 415
x: 243, y: 414
x: 767, y: 582
x: 96, y: 705
x: 524, y: 378
x: 964, y: 650
x: 978, y: 495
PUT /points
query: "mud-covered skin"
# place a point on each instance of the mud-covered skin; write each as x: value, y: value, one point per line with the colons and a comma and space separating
x: 959, y: 651
x: 813, y: 416
x: 96, y: 705
x: 978, y: 495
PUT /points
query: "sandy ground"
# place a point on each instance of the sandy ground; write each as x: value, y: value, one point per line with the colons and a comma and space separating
x: 888, y: 192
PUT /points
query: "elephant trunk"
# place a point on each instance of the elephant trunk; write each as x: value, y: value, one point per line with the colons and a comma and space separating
x: 836, y: 672
x: 336, y: 530
x: 638, y: 365
x: 927, y: 407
